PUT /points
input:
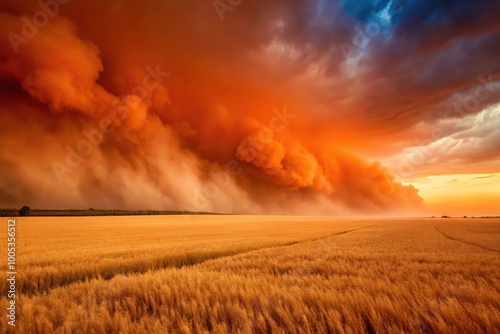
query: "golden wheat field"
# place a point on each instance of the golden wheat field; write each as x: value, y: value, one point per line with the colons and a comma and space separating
x: 255, y: 274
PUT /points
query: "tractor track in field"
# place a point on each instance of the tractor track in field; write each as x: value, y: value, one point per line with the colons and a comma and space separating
x: 330, y: 236
x: 189, y: 262
x: 295, y: 242
x: 467, y: 242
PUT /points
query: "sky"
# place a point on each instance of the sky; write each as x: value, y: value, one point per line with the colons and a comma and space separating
x: 298, y: 107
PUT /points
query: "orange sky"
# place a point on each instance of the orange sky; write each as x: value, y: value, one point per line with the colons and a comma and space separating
x: 306, y: 107
x: 461, y: 195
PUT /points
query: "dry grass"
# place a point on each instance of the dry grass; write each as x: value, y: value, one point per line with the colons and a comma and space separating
x: 481, y: 232
x: 59, y: 251
x: 398, y: 276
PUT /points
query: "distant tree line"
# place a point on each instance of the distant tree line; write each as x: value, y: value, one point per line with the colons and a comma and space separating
x: 27, y: 211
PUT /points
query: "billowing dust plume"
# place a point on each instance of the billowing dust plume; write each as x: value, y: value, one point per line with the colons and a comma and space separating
x: 93, y: 114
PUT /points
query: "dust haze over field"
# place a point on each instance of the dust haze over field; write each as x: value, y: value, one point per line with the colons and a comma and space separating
x: 260, y: 109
